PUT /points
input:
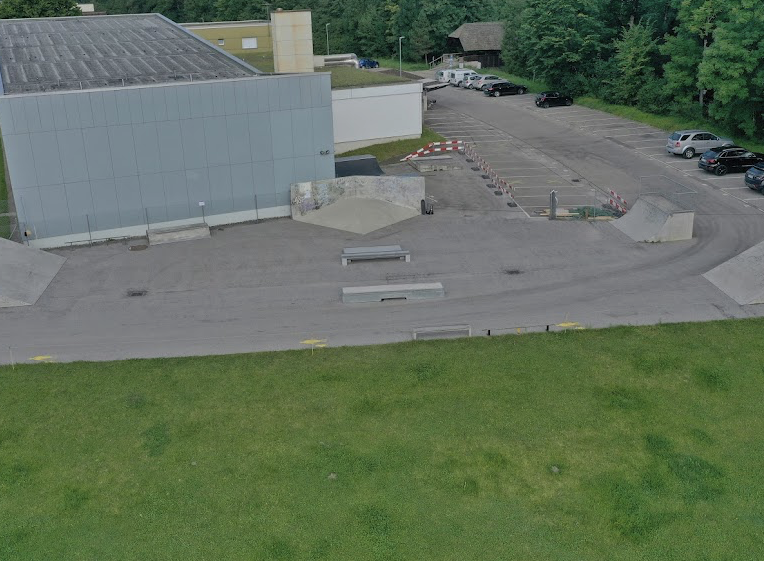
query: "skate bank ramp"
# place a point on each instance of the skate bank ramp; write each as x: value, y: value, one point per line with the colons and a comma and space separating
x: 25, y: 273
x: 742, y: 277
x: 656, y: 219
x: 358, y: 204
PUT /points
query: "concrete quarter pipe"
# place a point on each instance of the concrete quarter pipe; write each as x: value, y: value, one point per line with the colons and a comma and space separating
x: 742, y: 277
x: 25, y: 273
x: 656, y: 219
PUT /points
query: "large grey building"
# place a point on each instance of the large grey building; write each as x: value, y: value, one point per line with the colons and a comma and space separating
x: 111, y: 123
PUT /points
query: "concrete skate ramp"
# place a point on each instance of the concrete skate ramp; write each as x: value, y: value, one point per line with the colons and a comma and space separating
x: 357, y: 165
x: 25, y: 273
x: 358, y: 204
x: 656, y: 219
x: 742, y: 277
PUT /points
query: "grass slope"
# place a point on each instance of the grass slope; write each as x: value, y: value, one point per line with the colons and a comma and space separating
x: 389, y: 152
x: 346, y: 77
x: 392, y: 62
x: 621, y: 444
x: 668, y: 123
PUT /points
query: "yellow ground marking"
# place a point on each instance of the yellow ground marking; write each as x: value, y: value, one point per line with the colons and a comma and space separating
x: 41, y: 358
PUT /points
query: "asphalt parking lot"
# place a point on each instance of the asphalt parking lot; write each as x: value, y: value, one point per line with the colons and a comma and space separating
x: 643, y: 140
x: 531, y: 173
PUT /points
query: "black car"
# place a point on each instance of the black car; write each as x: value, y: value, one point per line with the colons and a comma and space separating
x: 722, y: 159
x: 547, y: 99
x: 504, y: 88
x: 754, y: 178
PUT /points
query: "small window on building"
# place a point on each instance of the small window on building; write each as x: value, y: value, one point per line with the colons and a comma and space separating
x: 221, y: 42
x: 249, y: 43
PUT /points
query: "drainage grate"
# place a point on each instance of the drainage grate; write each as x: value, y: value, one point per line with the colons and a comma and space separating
x: 513, y: 272
x: 485, y: 176
x: 498, y: 193
x: 575, y: 180
x: 512, y: 204
x: 490, y: 185
x: 470, y: 160
x: 138, y: 247
x: 135, y: 293
x: 475, y: 169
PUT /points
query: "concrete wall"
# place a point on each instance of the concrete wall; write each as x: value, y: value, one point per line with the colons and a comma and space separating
x: 403, y: 191
x: 292, y: 41
x: 366, y: 116
x: 233, y: 33
x: 108, y: 160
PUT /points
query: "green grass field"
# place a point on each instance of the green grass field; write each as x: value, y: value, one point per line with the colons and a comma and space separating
x: 261, y: 61
x: 621, y: 444
x: 346, y: 77
x: 668, y: 123
x: 392, y: 62
x: 390, y: 152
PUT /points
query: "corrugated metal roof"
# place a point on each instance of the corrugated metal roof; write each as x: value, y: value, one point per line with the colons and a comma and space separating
x: 485, y: 36
x: 88, y: 52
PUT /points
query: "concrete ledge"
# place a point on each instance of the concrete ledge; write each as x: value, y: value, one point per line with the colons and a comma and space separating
x: 159, y: 236
x: 421, y: 291
x: 374, y: 252
x: 442, y: 332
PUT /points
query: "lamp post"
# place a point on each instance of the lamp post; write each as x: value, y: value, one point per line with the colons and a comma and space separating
x: 400, y: 57
x: 327, y: 38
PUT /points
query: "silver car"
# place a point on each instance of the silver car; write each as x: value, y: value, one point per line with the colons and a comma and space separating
x: 471, y: 81
x: 486, y: 80
x: 690, y: 143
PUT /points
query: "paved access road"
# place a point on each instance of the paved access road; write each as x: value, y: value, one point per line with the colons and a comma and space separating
x: 276, y: 284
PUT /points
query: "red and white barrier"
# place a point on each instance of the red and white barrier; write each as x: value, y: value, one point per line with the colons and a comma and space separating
x: 618, y: 207
x: 445, y: 146
x: 618, y: 198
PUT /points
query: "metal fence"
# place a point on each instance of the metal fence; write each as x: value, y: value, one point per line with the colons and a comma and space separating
x: 104, y: 225
x: 678, y: 193
x: 9, y: 226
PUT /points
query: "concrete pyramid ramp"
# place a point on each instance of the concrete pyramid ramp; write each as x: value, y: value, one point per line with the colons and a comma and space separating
x: 25, y: 273
x: 742, y: 277
x: 358, y: 204
x: 656, y: 219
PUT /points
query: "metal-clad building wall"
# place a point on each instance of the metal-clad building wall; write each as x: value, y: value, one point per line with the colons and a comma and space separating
x: 109, y: 159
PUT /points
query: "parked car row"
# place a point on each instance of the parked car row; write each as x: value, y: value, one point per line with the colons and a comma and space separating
x: 495, y: 86
x: 718, y: 155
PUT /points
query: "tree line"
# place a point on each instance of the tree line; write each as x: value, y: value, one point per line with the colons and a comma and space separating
x: 699, y: 58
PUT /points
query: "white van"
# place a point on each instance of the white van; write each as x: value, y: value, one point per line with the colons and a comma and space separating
x: 456, y: 77
x: 442, y: 75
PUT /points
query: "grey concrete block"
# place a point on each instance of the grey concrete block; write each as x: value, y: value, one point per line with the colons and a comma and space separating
x: 420, y: 291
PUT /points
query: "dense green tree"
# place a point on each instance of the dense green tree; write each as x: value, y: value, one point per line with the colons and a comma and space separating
x: 371, y: 32
x: 685, y: 49
x: 38, y: 8
x: 563, y: 39
x: 634, y: 54
x: 733, y: 66
x: 421, y: 43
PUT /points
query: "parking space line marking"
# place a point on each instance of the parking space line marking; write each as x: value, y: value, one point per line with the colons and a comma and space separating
x: 614, y: 127
x: 598, y: 119
x: 634, y: 134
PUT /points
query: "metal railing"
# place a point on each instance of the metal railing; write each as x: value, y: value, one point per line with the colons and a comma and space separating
x: 9, y: 226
